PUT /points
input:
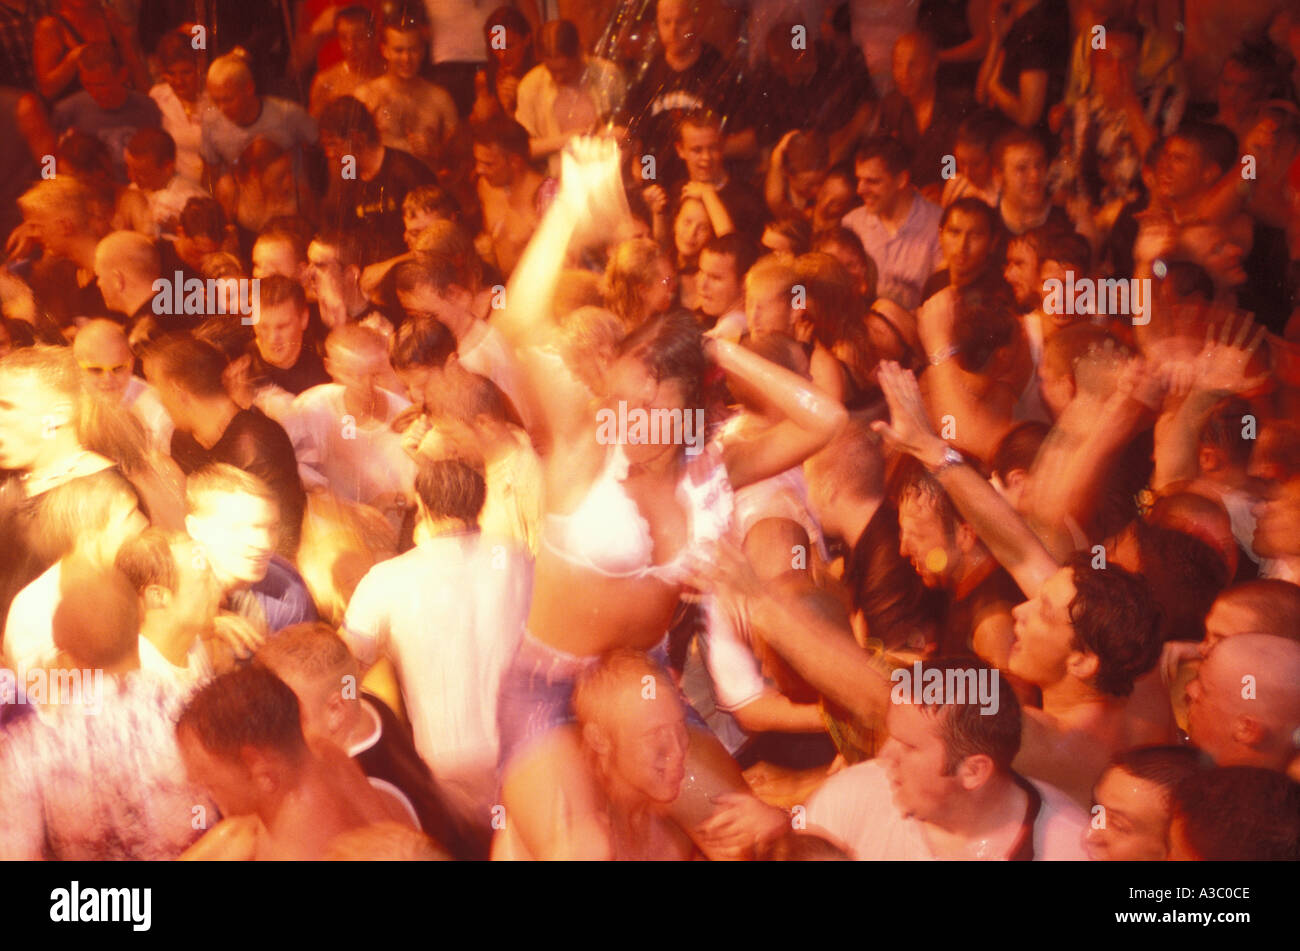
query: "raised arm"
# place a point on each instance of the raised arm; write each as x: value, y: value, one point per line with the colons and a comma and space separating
x: 998, y: 525
x: 812, y: 419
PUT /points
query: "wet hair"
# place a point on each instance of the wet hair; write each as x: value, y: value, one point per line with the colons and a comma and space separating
x: 149, y: 559
x: 1185, y: 575
x: 203, y: 217
x: 1240, y: 814
x: 896, y: 156
x: 911, y: 480
x: 348, y: 120
x: 247, y: 707
x: 968, y: 729
x: 670, y: 347
x: 421, y: 342
x: 451, y: 488
x: 152, y: 144
x: 1018, y: 448
x: 1116, y: 618
x: 504, y: 133
x: 278, y: 289
x: 1274, y: 603
x: 1164, y: 766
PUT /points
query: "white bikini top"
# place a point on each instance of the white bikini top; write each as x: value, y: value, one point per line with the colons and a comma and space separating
x: 606, y: 533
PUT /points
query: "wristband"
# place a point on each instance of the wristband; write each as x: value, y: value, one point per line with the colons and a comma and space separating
x: 951, y: 457
x: 947, y: 353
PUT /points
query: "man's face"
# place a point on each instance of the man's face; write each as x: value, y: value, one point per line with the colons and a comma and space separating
x: 913, y: 758
x: 719, y: 287
x: 147, y: 173
x: 415, y: 222
x: 238, y: 534
x: 324, y: 273
x: 357, y: 372
x: 1238, y: 88
x: 227, y: 782
x: 414, y: 380
x: 313, y: 702
x: 403, y: 51
x: 768, y: 310
x: 913, y: 66
x: 1213, y: 248
x: 700, y: 147
x: 1136, y: 820
x: 1277, y: 522
x: 975, y: 162
x: 965, y: 241
x: 1050, y: 269
x: 232, y: 96
x: 1024, y: 175
x: 923, y: 541
x: 1226, y: 619
x: 676, y: 22
x: 650, y: 742
x: 492, y: 164
x: 106, y: 362
x: 273, y: 256
x: 1211, y: 712
x: 335, y: 149
x: 278, y: 331
x: 24, y: 408
x: 356, y: 42
x: 1021, y: 273
x: 878, y: 189
x: 106, y: 85
x: 1044, y: 632
x: 183, y: 77
x: 1180, y: 170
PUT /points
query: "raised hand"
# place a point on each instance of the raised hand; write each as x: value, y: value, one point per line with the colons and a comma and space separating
x: 908, y: 429
x: 1222, y: 363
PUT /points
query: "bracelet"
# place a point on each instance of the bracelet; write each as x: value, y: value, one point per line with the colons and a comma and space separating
x: 951, y: 457
x: 947, y: 353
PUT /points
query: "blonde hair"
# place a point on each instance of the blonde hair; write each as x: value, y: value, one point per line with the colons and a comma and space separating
x: 771, y: 272
x: 627, y: 276
x: 340, y: 542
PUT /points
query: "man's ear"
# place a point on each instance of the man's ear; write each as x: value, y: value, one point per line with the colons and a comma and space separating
x: 1248, y: 732
x: 1082, y: 665
x: 965, y: 537
x: 261, y: 769
x: 1210, y: 459
x: 335, y: 711
x: 156, y: 598
x: 975, y: 771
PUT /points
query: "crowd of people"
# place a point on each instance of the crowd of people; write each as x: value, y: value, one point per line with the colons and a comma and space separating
x: 778, y: 430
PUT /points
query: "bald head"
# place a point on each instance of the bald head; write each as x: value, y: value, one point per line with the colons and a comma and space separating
x: 126, y: 266
x: 1244, y: 705
x: 230, y: 70
x: 231, y: 89
x: 101, y: 350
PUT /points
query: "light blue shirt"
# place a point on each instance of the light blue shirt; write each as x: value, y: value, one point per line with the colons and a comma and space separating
x: 906, y: 259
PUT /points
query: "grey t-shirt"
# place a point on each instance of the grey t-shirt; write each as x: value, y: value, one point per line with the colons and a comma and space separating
x: 284, y: 123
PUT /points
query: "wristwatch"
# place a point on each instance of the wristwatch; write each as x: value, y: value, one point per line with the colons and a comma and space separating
x: 951, y: 457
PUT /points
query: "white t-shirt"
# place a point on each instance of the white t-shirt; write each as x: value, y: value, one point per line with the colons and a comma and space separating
x: 196, y: 672
x: 449, y: 614
x: 167, y: 203
x: 357, y: 461
x: 855, y: 807
x: 29, y: 627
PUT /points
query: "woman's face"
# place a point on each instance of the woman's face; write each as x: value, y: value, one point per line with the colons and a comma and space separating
x: 662, y: 287
x: 692, y: 230
x: 631, y: 388
x: 835, y: 199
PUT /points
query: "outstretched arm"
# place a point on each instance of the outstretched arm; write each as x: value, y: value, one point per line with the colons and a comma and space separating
x: 994, y: 520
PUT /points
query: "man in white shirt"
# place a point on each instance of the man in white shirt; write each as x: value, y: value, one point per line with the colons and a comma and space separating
x: 898, y: 228
x: 942, y: 786
x: 341, y: 431
x: 449, y: 614
x: 568, y: 94
x: 102, y: 352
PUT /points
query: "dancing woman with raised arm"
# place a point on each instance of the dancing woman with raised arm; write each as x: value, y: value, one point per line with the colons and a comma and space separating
x: 621, y: 521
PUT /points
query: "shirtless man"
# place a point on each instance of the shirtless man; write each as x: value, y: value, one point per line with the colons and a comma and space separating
x: 511, y: 194
x: 241, y: 739
x: 633, y: 726
x: 412, y: 113
x: 355, y: 29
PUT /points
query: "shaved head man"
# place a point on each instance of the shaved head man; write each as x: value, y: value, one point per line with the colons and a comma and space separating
x: 101, y: 351
x: 126, y: 267
x: 231, y: 89
x: 1243, y: 708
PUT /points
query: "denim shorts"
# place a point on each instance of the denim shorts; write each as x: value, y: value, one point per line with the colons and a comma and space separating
x: 537, y: 693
